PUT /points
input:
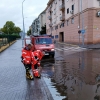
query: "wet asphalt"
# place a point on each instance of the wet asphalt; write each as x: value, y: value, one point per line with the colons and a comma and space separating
x: 13, y: 83
x: 71, y: 75
x: 75, y: 75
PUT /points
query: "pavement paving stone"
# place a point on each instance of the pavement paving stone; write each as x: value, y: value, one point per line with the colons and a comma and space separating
x: 13, y: 83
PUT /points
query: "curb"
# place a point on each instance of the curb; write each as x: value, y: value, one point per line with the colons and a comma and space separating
x: 68, y: 44
x: 6, y: 46
x: 46, y: 89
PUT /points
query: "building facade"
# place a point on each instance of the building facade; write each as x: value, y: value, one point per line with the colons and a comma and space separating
x: 35, y: 27
x: 64, y: 19
x: 38, y: 23
x: 42, y: 19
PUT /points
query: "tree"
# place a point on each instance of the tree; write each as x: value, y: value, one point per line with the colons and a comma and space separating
x: 17, y: 30
x: 1, y: 29
x: 43, y: 30
x: 29, y: 32
x: 10, y: 28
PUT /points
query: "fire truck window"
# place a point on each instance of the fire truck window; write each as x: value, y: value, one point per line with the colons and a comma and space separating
x: 44, y: 41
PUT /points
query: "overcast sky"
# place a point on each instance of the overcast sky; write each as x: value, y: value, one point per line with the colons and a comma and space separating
x: 11, y: 10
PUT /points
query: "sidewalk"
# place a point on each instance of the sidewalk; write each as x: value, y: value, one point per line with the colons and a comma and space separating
x: 13, y: 83
x: 6, y: 46
x: 91, y: 46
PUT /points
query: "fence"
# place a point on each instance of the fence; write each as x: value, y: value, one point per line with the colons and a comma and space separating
x: 3, y: 42
x: 7, y: 39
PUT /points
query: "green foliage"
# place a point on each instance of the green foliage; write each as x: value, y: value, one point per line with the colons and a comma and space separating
x: 29, y: 32
x: 10, y: 37
x: 17, y: 30
x: 43, y: 30
x: 10, y: 28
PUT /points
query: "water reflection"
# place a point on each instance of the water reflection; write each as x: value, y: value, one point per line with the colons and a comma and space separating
x: 79, y: 77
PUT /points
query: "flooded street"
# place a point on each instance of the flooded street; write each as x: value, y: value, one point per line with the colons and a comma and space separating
x: 73, y: 75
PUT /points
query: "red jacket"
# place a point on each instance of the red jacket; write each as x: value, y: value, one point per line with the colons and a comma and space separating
x: 39, y: 54
x: 26, y: 56
x: 29, y: 57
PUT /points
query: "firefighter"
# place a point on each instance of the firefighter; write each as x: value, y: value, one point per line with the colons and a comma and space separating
x: 27, y: 60
x: 36, y: 58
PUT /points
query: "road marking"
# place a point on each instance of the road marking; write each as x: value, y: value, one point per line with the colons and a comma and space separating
x: 68, y: 44
x: 71, y: 49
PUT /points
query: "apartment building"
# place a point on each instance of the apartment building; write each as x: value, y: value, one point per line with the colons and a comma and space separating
x: 74, y: 21
x: 38, y: 23
x: 35, y: 27
x: 42, y: 19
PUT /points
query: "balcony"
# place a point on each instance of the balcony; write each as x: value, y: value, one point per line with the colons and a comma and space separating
x: 54, y: 12
x: 50, y: 25
x: 62, y: 18
x: 62, y: 7
x: 49, y: 9
x: 49, y: 17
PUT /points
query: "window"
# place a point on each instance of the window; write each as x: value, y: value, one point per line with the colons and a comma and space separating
x: 68, y: 11
x: 56, y: 27
x: 72, y: 7
x: 72, y: 20
x: 52, y: 28
x: 38, y: 26
x: 43, y: 41
x: 52, y: 37
x: 62, y: 25
x: 59, y: 26
x: 54, y: 11
x: 67, y: 22
x: 55, y: 2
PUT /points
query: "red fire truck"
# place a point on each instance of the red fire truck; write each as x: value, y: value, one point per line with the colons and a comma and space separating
x: 43, y: 43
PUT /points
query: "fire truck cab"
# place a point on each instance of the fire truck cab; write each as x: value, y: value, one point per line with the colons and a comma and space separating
x: 43, y: 43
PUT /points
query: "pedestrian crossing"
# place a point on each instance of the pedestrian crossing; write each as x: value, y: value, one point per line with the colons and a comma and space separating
x: 70, y: 49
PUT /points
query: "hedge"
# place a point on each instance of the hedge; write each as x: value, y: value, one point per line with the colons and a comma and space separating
x: 10, y: 37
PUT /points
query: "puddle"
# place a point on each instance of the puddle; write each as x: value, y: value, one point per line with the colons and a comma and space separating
x: 76, y: 77
x: 56, y: 95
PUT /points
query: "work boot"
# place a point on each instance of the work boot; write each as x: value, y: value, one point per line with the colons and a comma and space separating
x: 29, y: 76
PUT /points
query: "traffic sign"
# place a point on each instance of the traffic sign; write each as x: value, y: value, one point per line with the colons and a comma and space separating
x: 83, y: 31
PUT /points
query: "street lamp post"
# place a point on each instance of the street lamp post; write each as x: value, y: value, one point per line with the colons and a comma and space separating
x: 23, y: 36
x: 82, y: 23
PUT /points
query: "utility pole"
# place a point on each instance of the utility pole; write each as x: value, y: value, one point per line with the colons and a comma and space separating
x: 82, y: 18
x: 23, y: 35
